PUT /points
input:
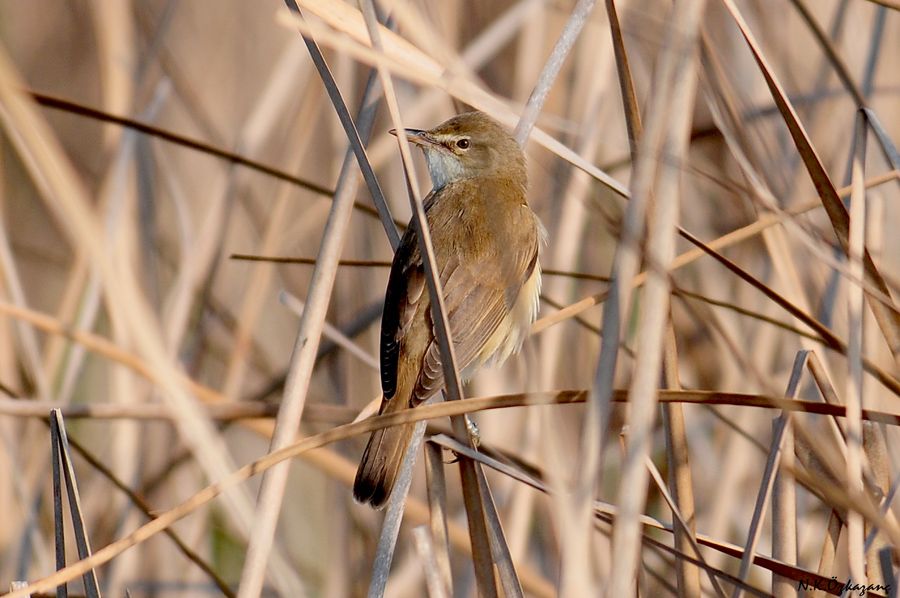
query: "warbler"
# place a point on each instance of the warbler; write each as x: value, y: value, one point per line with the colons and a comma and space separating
x: 487, y: 243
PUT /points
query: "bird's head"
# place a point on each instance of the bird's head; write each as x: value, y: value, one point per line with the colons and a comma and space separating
x: 469, y: 145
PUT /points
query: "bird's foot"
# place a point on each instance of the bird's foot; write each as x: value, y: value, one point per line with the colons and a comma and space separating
x: 474, y: 432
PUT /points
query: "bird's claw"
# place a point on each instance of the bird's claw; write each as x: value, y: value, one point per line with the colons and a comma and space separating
x: 474, y: 437
x: 474, y: 432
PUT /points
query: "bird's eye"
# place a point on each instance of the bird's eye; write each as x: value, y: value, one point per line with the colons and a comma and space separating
x: 463, y: 144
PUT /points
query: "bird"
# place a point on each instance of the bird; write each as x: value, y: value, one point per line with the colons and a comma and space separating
x: 487, y: 243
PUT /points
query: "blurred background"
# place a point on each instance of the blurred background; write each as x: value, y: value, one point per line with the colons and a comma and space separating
x: 233, y: 76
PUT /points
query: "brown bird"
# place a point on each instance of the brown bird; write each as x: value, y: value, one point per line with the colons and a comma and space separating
x: 486, y: 243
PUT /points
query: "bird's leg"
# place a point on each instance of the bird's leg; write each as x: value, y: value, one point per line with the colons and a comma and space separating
x: 474, y: 436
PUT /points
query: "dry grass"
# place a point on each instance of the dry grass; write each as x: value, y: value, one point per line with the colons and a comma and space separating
x: 730, y: 226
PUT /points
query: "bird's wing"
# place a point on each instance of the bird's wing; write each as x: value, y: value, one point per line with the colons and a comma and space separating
x: 477, y: 301
x: 406, y: 287
x: 480, y: 281
x: 482, y: 276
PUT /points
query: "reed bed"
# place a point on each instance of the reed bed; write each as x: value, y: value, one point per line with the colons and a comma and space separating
x: 198, y: 207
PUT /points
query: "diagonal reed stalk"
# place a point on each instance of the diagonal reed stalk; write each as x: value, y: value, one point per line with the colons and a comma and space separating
x: 675, y: 85
x: 61, y: 186
x: 143, y: 144
x: 312, y: 324
x: 446, y: 409
x: 472, y: 491
x: 885, y: 312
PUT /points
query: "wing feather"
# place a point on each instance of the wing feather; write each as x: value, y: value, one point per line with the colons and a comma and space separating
x: 481, y: 278
x: 475, y: 314
x: 406, y: 287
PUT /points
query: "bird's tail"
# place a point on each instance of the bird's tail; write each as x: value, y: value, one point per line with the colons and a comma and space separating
x: 380, y: 463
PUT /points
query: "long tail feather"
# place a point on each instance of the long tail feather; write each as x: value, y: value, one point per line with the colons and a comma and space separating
x: 380, y: 464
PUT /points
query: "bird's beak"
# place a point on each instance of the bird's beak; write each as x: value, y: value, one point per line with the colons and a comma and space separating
x: 417, y: 137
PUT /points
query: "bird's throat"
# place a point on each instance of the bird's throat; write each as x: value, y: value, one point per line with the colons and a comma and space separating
x: 443, y: 168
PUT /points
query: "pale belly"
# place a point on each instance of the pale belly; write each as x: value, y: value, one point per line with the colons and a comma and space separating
x: 514, y: 328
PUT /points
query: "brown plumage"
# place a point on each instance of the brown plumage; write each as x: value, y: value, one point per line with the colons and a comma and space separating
x: 486, y: 242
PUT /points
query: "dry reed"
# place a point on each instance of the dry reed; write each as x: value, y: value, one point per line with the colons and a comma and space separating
x: 745, y: 245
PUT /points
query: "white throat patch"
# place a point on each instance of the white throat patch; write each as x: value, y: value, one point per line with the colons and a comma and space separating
x: 442, y: 167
